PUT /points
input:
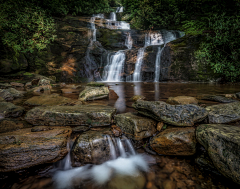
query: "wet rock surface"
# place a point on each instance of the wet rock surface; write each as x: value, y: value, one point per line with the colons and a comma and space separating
x: 8, y: 109
x: 224, y: 113
x: 182, y: 100
x: 93, y: 93
x: 10, y: 94
x: 222, y: 143
x: 23, y: 148
x: 137, y: 97
x: 217, y: 98
x: 2, y: 99
x: 92, y: 147
x: 94, y: 115
x: 48, y: 100
x: 8, y: 125
x: 179, y: 115
x: 135, y: 126
x: 175, y: 141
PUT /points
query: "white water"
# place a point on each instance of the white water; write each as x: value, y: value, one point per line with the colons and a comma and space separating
x: 128, y: 41
x: 119, y: 9
x: 114, y: 67
x: 113, y: 16
x: 158, y: 64
x: 138, y: 65
x: 100, y: 174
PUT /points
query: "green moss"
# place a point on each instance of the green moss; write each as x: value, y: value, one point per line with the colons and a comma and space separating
x: 95, y: 84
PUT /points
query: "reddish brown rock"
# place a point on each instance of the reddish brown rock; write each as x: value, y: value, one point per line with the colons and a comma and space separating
x: 182, y: 100
x: 175, y: 141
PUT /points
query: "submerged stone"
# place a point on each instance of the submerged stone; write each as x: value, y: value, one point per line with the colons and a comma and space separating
x: 94, y: 115
x: 182, y: 100
x: 22, y: 148
x: 175, y: 141
x: 7, y: 109
x: 179, y: 115
x: 93, y: 93
x: 224, y: 113
x: 222, y: 143
x: 135, y: 126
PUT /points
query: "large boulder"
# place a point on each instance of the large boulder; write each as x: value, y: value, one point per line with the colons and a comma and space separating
x: 48, y: 100
x: 7, y: 109
x: 135, y: 126
x: 175, y: 141
x: 222, y: 143
x: 224, y: 113
x: 94, y: 115
x: 93, y: 93
x: 10, y: 94
x: 92, y: 147
x: 24, y: 148
x: 182, y: 100
x: 179, y: 115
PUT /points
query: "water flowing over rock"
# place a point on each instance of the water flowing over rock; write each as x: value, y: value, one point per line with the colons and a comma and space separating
x: 138, y: 65
x: 129, y: 41
x: 22, y: 148
x: 182, y: 100
x: 224, y: 113
x: 175, y: 141
x: 93, y: 93
x: 179, y: 115
x: 7, y: 109
x: 135, y: 126
x: 222, y: 143
x: 93, y: 115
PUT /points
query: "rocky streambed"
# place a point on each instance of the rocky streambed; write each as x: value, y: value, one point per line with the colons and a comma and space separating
x: 192, y: 141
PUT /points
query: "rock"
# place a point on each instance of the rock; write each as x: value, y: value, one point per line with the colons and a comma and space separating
x: 224, y: 113
x: 9, y: 125
x: 137, y: 97
x: 116, y: 131
x: 48, y: 100
x: 238, y: 95
x: 53, y: 78
x: 7, y: 109
x: 42, y: 88
x: 230, y: 95
x: 160, y: 126
x: 2, y: 99
x: 92, y: 147
x: 28, y: 84
x: 95, y: 84
x: 93, y: 93
x: 217, y: 98
x: 67, y: 91
x: 43, y: 82
x: 135, y: 126
x: 182, y: 100
x: 175, y: 141
x: 169, y: 184
x: 22, y: 148
x: 94, y: 115
x: 179, y: 115
x: 10, y: 94
x: 15, y: 84
x: 80, y: 129
x: 5, y: 85
x: 41, y: 128
x: 222, y: 143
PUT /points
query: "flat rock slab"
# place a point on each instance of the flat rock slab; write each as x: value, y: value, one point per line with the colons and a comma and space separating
x: 224, y: 113
x: 23, y: 148
x: 179, y: 115
x: 216, y: 98
x: 10, y: 94
x: 182, y: 100
x: 94, y: 115
x: 48, y: 100
x: 92, y: 147
x: 135, y: 126
x: 8, y: 109
x: 8, y: 125
x: 222, y: 143
x: 93, y: 93
x: 175, y: 141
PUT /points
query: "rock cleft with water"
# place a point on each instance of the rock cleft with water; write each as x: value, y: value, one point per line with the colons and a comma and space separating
x: 179, y: 115
x: 23, y: 148
x: 224, y: 113
x: 135, y: 126
x: 222, y: 143
x: 93, y: 93
x: 94, y: 115
x: 175, y: 141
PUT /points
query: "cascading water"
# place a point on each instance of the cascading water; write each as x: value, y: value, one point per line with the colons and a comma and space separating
x: 128, y: 41
x: 158, y: 64
x: 114, y: 68
x: 138, y: 65
x: 113, y: 16
x: 126, y: 165
x: 119, y: 9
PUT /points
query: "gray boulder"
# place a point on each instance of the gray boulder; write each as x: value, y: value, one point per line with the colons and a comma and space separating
x: 7, y: 109
x: 10, y: 94
x: 222, y: 143
x: 179, y: 115
x: 93, y: 93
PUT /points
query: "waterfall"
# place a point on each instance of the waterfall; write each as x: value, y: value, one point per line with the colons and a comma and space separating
x: 113, y: 16
x: 138, y: 65
x: 112, y: 148
x: 114, y: 67
x: 129, y: 41
x: 158, y: 64
x: 119, y: 9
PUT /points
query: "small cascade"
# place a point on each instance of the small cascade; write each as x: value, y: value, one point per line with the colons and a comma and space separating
x: 158, y: 64
x: 113, y: 16
x: 99, y: 15
x: 153, y: 39
x: 128, y: 41
x: 114, y: 67
x: 119, y: 9
x: 138, y: 65
x: 125, y: 165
